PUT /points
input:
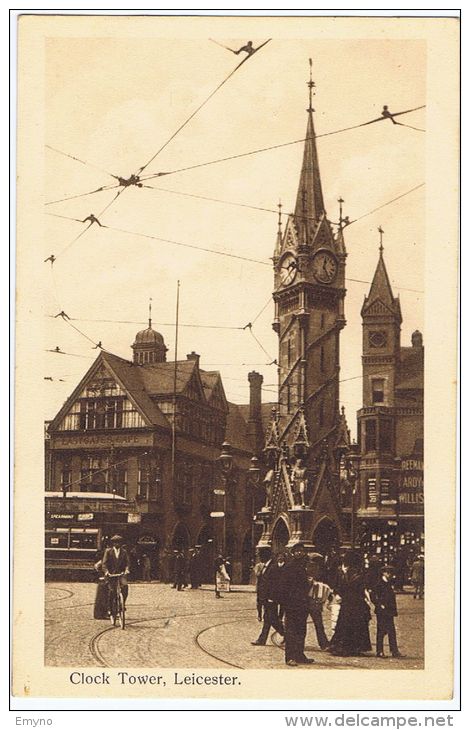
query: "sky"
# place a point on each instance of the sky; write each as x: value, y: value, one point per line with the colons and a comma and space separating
x: 113, y: 102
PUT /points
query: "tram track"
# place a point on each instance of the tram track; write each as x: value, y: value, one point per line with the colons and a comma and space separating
x: 97, y: 654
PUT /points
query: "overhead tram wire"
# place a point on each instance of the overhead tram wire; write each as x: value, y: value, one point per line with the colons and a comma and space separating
x: 172, y: 137
x: 272, y: 147
x: 77, y: 159
x: 159, y: 324
x: 209, y: 250
x: 231, y: 157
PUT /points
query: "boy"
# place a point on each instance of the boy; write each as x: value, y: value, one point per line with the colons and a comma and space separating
x: 383, y: 597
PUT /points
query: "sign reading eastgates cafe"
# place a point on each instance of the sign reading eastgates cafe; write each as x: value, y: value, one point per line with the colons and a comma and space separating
x: 411, y: 485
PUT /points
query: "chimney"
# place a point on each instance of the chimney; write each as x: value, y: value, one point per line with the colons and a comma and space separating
x: 193, y: 356
x: 417, y: 339
x: 255, y: 424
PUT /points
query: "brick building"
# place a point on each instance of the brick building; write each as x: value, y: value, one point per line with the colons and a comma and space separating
x: 390, y: 500
x: 135, y: 450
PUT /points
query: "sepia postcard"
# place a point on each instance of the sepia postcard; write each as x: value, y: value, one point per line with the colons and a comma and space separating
x: 236, y: 357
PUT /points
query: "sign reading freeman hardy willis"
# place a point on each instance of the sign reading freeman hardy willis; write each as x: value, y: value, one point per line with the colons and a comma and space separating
x: 411, y: 492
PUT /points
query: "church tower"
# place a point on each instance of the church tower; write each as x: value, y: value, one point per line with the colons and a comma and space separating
x: 309, y: 276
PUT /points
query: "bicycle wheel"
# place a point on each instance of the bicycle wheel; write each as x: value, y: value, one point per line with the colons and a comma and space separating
x: 122, y: 612
x: 113, y: 610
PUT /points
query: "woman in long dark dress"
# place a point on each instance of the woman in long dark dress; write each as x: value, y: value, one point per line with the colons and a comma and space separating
x: 100, y: 608
x: 351, y: 635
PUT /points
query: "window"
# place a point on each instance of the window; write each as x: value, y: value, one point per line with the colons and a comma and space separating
x: 386, y: 435
x: 321, y: 414
x: 322, y: 359
x: 93, y: 474
x: 378, y: 390
x: 65, y: 467
x: 371, y: 434
x: 322, y: 320
x: 149, y: 478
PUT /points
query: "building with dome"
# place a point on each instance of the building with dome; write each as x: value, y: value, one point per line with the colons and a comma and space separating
x: 135, y: 450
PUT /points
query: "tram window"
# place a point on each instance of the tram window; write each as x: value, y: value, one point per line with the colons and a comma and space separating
x: 58, y: 540
x: 83, y: 541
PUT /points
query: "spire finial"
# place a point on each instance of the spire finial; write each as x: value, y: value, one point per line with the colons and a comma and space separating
x: 150, y: 312
x: 381, y: 232
x: 311, y: 86
x: 279, y: 216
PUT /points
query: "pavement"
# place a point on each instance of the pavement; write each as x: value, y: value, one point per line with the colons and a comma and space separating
x: 191, y: 628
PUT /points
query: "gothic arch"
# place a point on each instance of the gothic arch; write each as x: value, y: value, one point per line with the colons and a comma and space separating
x: 181, y: 538
x: 325, y: 535
x: 280, y: 535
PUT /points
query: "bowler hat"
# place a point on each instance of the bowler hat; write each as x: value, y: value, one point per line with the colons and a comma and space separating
x: 117, y: 538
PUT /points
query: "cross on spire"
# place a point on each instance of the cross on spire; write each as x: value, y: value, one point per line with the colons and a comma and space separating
x: 279, y: 216
x: 150, y: 312
x: 311, y: 87
x: 381, y: 232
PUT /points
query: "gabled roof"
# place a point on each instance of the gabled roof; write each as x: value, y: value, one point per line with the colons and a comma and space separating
x: 159, y: 378
x: 214, y: 389
x: 236, y: 429
x: 381, y: 290
x: 128, y: 376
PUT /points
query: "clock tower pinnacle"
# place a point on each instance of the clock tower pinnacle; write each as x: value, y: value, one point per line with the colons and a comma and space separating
x: 309, y: 274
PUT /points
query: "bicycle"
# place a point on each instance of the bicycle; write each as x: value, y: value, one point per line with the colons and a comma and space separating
x: 116, y: 600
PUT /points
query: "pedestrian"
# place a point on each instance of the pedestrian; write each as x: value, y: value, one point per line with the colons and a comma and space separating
x: 319, y: 594
x: 145, y: 566
x: 417, y: 576
x: 295, y: 589
x: 351, y: 636
x: 195, y: 567
x: 229, y: 569
x: 100, y: 608
x: 384, y: 599
x: 221, y: 577
x: 267, y: 599
x: 180, y: 571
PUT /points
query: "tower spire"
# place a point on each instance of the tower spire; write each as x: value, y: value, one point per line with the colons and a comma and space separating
x: 150, y: 312
x: 309, y: 205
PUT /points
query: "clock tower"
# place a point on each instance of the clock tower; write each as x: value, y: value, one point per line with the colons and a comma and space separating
x: 309, y: 275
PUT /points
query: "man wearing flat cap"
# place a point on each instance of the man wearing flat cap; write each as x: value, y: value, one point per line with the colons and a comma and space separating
x: 116, y: 561
x: 295, y: 600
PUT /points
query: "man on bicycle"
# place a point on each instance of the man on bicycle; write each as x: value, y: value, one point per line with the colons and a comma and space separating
x: 116, y: 561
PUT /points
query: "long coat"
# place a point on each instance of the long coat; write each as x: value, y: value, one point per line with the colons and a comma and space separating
x: 352, y: 629
x: 384, y: 600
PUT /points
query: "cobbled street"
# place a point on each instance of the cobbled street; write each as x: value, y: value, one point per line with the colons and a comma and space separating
x: 166, y: 628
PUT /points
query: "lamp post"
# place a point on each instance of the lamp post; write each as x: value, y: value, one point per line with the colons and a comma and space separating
x: 254, y: 474
x: 353, y: 475
x: 226, y: 465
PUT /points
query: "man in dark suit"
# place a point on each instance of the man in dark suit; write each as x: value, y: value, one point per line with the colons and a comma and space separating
x: 295, y: 599
x: 267, y: 590
x: 116, y: 561
x: 384, y: 599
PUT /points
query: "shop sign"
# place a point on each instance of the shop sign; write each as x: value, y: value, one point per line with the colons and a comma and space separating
x: 133, y: 519
x: 411, y: 486
x: 61, y: 517
x: 85, y: 516
x: 372, y: 491
x: 81, y: 441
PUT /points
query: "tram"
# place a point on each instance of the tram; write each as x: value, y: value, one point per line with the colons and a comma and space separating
x: 75, y: 530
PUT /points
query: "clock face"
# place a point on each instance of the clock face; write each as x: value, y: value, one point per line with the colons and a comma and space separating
x: 325, y: 267
x: 289, y: 270
x: 377, y: 338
